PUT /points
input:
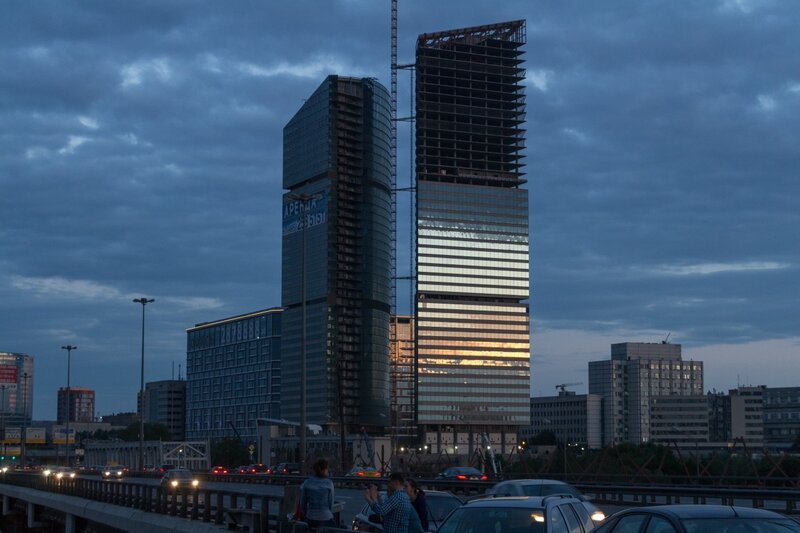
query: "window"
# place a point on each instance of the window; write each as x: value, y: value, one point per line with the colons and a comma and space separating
x: 659, y: 525
x: 572, y: 520
x: 583, y: 515
x: 630, y: 524
x: 557, y: 522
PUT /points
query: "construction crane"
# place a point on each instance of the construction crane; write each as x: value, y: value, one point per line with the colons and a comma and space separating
x: 563, y: 386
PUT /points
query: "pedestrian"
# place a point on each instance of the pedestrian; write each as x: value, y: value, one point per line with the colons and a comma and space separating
x: 396, y: 510
x: 418, y: 501
x: 316, y: 497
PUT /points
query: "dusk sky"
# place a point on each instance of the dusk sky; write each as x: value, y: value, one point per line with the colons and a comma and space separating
x: 140, y: 155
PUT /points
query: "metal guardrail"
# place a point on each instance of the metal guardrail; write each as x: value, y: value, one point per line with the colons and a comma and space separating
x: 203, y: 504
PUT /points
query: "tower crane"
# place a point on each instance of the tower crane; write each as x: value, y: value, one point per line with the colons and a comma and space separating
x: 563, y: 386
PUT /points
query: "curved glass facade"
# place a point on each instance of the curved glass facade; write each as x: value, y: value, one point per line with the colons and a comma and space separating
x: 337, y: 170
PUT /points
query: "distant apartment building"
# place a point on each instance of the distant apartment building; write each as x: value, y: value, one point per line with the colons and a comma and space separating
x: 16, y: 388
x: 679, y: 419
x: 719, y: 417
x: 781, y: 416
x: 747, y: 415
x: 165, y: 403
x: 574, y: 419
x: 403, y: 377
x: 75, y: 404
x: 636, y: 373
x: 233, y: 375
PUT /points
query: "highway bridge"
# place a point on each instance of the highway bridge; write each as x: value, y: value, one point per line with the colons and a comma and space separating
x: 89, y: 503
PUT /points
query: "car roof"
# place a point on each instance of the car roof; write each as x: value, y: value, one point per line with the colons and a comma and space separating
x: 533, y: 482
x: 708, y: 511
x: 526, y: 502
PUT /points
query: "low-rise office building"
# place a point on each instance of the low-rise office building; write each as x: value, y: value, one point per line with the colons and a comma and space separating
x: 574, y: 419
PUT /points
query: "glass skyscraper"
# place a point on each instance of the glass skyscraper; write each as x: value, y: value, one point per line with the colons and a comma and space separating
x: 337, y: 219
x: 233, y: 375
x: 472, y: 264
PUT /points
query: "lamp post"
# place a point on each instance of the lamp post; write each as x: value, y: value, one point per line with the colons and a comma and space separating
x: 144, y: 302
x: 69, y: 349
x: 24, y: 417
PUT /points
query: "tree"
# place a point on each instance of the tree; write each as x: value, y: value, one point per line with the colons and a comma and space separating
x: 229, y: 452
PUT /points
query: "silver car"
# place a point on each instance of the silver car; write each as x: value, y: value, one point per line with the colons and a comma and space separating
x: 545, y: 487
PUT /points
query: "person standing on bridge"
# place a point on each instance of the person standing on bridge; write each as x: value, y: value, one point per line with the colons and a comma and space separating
x: 316, y: 497
x: 396, y: 510
x: 418, y: 501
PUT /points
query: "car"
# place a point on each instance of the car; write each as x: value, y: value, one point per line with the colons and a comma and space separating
x: 219, y: 471
x: 242, y: 470
x: 544, y: 487
x: 440, y: 504
x: 698, y: 519
x: 163, y: 469
x: 179, y: 478
x: 59, y: 473
x: 520, y: 514
x: 462, y: 473
x: 258, y: 469
x: 114, y: 471
x: 363, y: 471
x: 287, y: 469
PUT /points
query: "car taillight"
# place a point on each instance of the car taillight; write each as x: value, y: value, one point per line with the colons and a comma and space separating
x: 484, y: 477
x: 461, y: 477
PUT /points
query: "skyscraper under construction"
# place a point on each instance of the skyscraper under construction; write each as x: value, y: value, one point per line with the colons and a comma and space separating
x: 337, y: 256
x: 472, y: 263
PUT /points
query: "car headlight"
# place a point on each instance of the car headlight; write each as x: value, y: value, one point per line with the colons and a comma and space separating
x: 106, y: 474
x: 59, y: 475
x: 174, y: 483
x: 5, y: 469
x: 195, y: 483
x: 47, y: 472
x: 537, y: 517
x: 72, y: 474
x: 598, y: 516
x: 119, y: 472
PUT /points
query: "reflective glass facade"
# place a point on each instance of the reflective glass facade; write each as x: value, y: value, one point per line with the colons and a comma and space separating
x: 338, y: 176
x: 472, y: 261
x: 233, y: 375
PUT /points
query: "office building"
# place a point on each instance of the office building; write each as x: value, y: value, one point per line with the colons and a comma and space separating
x: 719, y: 417
x: 78, y: 405
x: 574, y: 419
x: 472, y: 271
x: 337, y: 230
x: 679, y: 419
x: 637, y: 372
x: 747, y: 415
x: 781, y: 416
x: 402, y: 400
x: 16, y: 388
x: 233, y: 375
x: 165, y: 403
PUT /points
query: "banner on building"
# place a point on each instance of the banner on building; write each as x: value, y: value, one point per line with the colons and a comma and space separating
x: 35, y: 435
x: 12, y: 451
x: 8, y: 374
x: 60, y: 435
x: 12, y: 436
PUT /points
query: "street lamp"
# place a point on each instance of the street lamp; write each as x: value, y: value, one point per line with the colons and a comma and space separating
x: 69, y: 349
x: 304, y: 198
x: 144, y: 302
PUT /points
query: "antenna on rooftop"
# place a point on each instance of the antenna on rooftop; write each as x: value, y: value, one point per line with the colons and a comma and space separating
x: 666, y: 340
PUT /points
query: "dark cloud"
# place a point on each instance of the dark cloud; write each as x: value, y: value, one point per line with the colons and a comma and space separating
x: 141, y: 155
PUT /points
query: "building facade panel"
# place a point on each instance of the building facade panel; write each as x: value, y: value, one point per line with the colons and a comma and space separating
x: 781, y: 416
x: 16, y: 388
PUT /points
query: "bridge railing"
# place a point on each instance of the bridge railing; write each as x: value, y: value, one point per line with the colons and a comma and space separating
x: 204, y: 504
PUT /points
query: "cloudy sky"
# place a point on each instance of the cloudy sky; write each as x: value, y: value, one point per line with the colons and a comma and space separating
x: 140, y: 155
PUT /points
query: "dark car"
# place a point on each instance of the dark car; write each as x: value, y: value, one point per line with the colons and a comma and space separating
x: 165, y: 468
x: 440, y: 504
x: 258, y: 469
x: 544, y: 487
x: 698, y: 519
x: 179, y: 478
x: 462, y: 473
x: 219, y: 471
x: 532, y: 514
x: 284, y: 469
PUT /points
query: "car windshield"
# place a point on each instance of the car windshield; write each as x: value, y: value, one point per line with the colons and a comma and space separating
x: 439, y: 506
x: 550, y: 489
x: 181, y: 474
x: 740, y: 525
x: 505, y: 519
